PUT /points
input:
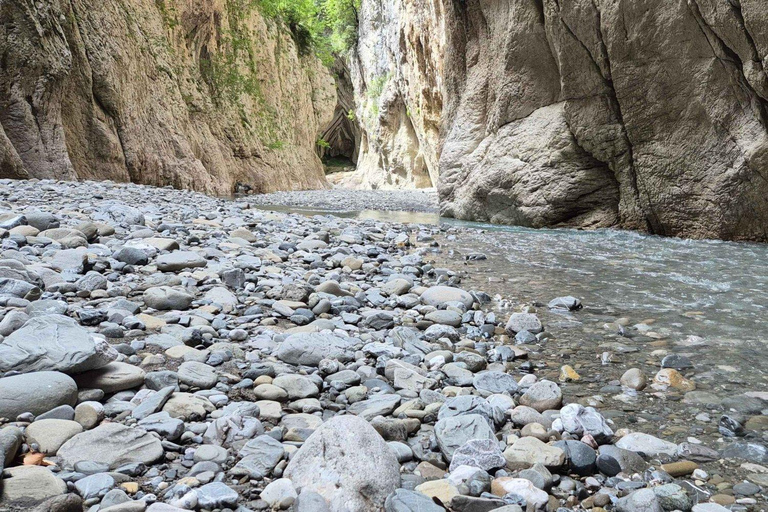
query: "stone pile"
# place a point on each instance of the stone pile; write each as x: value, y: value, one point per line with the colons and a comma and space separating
x: 165, y: 351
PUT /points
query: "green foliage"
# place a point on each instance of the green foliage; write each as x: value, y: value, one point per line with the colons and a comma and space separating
x: 277, y: 144
x: 351, y: 115
x: 325, y: 27
x: 323, y: 143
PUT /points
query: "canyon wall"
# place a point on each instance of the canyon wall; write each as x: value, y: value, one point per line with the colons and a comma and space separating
x: 396, y: 71
x: 642, y: 114
x: 200, y: 94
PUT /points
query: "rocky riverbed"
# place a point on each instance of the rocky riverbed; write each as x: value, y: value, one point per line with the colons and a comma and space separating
x: 163, y: 350
x: 339, y: 199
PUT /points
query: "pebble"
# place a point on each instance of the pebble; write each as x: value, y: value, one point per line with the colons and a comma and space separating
x: 166, y: 349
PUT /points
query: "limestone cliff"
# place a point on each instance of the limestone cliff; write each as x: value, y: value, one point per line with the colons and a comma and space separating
x: 642, y: 114
x: 396, y: 70
x: 201, y: 94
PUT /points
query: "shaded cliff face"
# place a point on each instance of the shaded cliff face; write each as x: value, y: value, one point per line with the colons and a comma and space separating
x: 396, y: 71
x: 200, y: 94
x: 643, y: 114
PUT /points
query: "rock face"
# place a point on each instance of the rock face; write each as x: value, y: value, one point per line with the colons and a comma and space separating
x: 348, y: 463
x: 398, y: 105
x: 196, y: 95
x: 645, y: 115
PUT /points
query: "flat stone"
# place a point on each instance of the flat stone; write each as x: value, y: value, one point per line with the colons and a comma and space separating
x: 259, y: 457
x: 31, y: 484
x: 647, y: 444
x: 308, y: 349
x: 680, y: 468
x: 112, y: 378
x: 440, y: 295
x: 179, y: 260
x: 198, y: 375
x: 403, y: 500
x: 495, y: 382
x: 112, y: 444
x: 53, y: 343
x: 216, y: 495
x: 166, y: 298
x: 378, y: 405
x: 536, y: 498
x: 529, y: 450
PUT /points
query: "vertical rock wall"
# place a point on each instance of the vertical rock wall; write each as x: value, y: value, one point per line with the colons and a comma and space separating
x: 642, y: 114
x: 396, y: 69
x: 201, y: 94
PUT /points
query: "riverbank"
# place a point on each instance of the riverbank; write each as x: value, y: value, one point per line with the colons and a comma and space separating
x: 201, y: 353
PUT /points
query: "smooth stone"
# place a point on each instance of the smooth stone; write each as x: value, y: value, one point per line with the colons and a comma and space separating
x: 523, y: 322
x: 308, y: 349
x: 37, y: 393
x: 529, y: 450
x: 112, y: 378
x: 179, y: 260
x: 348, y: 463
x: 198, y: 375
x: 164, y: 298
x: 51, y: 434
x: 403, y: 500
x: 647, y: 444
x: 31, y: 484
x: 112, y: 444
x: 543, y: 395
x: 440, y: 295
x: 279, y: 494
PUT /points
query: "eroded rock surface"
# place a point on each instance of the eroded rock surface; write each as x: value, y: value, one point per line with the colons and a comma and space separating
x: 643, y: 115
x: 209, y: 96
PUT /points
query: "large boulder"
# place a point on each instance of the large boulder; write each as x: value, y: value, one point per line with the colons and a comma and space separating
x: 309, y: 348
x: 54, y: 343
x: 348, y: 463
x: 112, y: 444
x: 37, y: 393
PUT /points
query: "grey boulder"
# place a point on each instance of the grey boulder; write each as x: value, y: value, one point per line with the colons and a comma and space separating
x: 112, y: 444
x: 37, y: 393
x: 310, y: 348
x: 54, y: 343
x: 348, y: 463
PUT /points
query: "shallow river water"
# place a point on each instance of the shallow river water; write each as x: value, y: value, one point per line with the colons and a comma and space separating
x: 707, y: 300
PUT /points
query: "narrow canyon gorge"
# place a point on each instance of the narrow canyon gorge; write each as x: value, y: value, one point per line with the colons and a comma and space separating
x: 647, y: 115
x: 383, y: 255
